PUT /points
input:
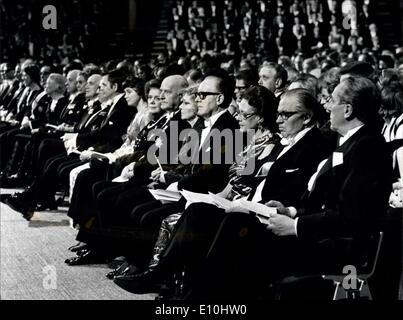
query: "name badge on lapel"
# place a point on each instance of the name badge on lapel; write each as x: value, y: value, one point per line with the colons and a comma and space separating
x: 337, y: 159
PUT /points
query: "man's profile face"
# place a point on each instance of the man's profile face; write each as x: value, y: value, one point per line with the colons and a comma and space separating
x: 71, y: 82
x: 81, y: 82
x: 91, y: 87
x: 44, y: 73
x: 240, y: 88
x: 290, y: 117
x: 50, y: 86
x: 106, y: 89
x: 336, y: 108
x: 267, y: 78
x: 169, y: 94
x: 206, y: 99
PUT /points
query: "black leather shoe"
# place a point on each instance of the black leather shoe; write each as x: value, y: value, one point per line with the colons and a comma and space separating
x: 78, y: 247
x: 125, y: 269
x: 10, y: 183
x: 87, y: 257
x: 28, y: 215
x: 24, y: 208
x: 4, y: 197
x: 166, y: 293
x: 50, y: 205
x: 145, y: 282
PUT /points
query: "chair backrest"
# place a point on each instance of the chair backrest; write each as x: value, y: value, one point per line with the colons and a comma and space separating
x: 375, y: 244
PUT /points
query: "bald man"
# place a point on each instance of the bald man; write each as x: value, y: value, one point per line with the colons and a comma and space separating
x: 171, y: 92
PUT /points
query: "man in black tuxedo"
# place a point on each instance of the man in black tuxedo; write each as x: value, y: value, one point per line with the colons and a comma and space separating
x: 87, y: 114
x: 287, y: 171
x: 68, y: 117
x: 72, y: 113
x: 121, y: 195
x: 213, y: 97
x: 116, y: 197
x: 109, y: 136
x: 347, y: 197
x: 26, y: 144
x: 115, y: 121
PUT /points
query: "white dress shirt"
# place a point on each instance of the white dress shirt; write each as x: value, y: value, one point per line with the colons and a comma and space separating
x: 209, y: 123
x: 54, y: 103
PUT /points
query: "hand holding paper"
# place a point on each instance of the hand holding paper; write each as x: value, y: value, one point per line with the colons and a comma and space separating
x: 69, y: 136
x: 281, y: 225
x: 280, y: 208
x: 241, y: 205
x: 85, y: 155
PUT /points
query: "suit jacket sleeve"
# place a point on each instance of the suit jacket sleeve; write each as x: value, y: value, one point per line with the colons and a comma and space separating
x: 361, y: 200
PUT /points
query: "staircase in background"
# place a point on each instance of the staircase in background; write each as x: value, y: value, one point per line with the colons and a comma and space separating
x: 162, y: 28
x: 388, y: 16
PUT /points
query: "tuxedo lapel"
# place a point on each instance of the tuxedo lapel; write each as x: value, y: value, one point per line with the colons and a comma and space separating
x: 110, y: 113
x: 222, y: 123
x: 336, y: 160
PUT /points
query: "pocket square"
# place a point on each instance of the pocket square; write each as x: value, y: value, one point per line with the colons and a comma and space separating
x: 337, y: 159
x: 111, y: 123
x: 291, y: 170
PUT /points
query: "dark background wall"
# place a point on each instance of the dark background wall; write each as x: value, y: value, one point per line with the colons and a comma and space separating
x: 107, y: 28
x: 99, y: 29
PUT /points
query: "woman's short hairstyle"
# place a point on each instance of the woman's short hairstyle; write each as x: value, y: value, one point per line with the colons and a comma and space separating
x: 136, y: 84
x: 392, y: 98
x: 34, y: 73
x: 265, y: 104
x: 191, y: 90
x: 389, y: 77
x: 151, y: 84
x: 60, y: 80
x: 330, y: 79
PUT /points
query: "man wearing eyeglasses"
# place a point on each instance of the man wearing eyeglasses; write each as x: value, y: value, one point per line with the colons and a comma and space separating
x: 213, y: 97
x: 346, y: 198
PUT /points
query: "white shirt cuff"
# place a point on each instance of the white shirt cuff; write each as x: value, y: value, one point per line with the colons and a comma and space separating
x: 295, y: 226
x: 293, y: 211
